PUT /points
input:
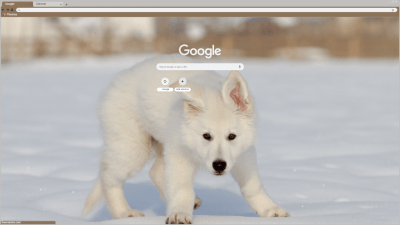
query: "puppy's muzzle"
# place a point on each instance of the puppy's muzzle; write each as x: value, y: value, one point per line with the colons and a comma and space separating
x: 219, y: 166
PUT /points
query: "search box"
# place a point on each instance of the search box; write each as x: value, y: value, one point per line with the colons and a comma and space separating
x: 200, y: 66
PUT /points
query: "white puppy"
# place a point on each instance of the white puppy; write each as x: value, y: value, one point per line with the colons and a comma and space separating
x: 212, y: 126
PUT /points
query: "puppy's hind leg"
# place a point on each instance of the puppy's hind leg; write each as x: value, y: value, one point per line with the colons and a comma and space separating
x: 124, y: 156
x: 157, y: 174
x: 157, y: 170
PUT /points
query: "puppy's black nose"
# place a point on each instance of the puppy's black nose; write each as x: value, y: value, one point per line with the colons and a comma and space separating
x: 219, y: 165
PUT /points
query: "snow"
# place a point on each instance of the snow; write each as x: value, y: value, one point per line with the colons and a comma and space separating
x: 328, y: 143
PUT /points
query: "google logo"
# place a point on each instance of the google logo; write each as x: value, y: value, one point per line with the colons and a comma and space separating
x: 209, y: 52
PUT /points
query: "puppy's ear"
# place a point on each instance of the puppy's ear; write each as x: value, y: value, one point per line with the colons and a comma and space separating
x: 193, y: 102
x: 234, y: 91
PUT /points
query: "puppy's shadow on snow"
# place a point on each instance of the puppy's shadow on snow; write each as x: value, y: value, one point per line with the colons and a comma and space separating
x: 145, y: 198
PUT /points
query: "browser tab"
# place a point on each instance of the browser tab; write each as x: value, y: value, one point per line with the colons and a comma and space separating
x: 47, y: 4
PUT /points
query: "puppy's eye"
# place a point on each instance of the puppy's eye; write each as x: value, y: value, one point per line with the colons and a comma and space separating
x: 231, y: 137
x: 207, y: 136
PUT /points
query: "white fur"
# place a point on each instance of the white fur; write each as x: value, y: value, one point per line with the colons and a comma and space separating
x: 140, y: 123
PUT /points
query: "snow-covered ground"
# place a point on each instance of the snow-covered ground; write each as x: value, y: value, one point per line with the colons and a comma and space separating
x: 328, y: 143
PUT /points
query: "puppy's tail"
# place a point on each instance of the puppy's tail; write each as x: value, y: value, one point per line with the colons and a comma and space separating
x: 94, y: 198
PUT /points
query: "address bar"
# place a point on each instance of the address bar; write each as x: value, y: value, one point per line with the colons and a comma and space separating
x: 175, y: 10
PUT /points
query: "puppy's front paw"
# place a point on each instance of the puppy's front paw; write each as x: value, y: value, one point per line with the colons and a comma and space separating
x: 274, y: 211
x: 179, y: 218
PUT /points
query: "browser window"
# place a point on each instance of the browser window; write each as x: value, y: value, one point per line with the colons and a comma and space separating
x: 203, y: 113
